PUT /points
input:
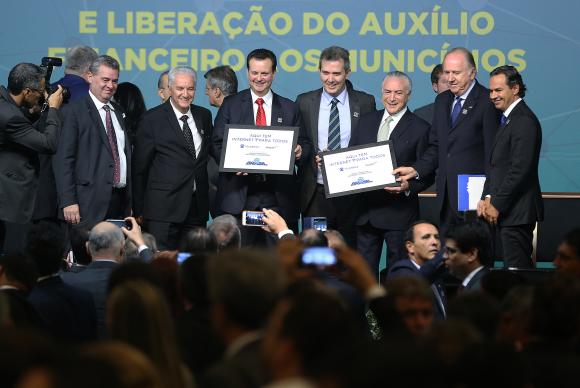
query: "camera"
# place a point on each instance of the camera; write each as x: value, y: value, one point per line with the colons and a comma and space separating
x: 318, y: 257
x: 47, y: 64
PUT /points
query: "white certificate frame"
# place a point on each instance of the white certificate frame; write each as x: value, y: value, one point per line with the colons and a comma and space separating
x: 358, y: 169
x: 252, y: 148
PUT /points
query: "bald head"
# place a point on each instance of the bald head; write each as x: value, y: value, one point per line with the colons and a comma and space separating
x: 106, y: 241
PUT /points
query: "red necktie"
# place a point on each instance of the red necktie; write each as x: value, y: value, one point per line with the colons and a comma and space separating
x: 113, y: 143
x: 260, y: 114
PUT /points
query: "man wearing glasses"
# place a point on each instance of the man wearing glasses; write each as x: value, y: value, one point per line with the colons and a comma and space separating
x: 21, y: 142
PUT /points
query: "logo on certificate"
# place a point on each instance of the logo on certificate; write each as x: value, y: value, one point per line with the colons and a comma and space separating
x: 360, y: 181
x: 256, y: 162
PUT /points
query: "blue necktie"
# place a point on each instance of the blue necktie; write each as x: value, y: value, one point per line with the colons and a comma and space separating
x: 503, y: 120
x: 334, y: 127
x: 456, y: 110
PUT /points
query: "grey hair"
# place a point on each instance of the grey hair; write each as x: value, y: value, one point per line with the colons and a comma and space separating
x: 181, y: 70
x: 105, y: 240
x: 400, y: 74
x: 224, y: 78
x: 226, y: 231
x: 78, y: 59
x: 105, y: 60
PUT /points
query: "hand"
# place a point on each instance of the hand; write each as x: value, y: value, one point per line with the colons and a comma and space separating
x: 55, y: 99
x: 405, y: 173
x: 398, y: 189
x: 318, y: 161
x: 357, y: 271
x: 481, y: 205
x: 72, y: 214
x: 274, y: 222
x: 491, y: 214
x: 298, y: 152
x: 134, y: 234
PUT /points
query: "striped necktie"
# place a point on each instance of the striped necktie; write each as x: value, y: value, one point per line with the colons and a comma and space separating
x: 334, y: 126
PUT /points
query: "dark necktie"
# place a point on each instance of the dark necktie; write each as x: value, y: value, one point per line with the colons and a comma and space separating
x: 334, y: 126
x: 456, y: 110
x: 188, y: 136
x: 260, y: 114
x: 113, y: 143
x: 503, y: 120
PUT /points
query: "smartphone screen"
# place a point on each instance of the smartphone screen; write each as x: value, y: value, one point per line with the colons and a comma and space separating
x: 319, y: 223
x: 318, y: 257
x: 252, y: 218
x: 182, y: 256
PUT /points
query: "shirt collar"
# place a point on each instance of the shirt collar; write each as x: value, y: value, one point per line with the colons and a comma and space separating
x: 470, y: 276
x: 178, y: 112
x: 267, y: 98
x: 511, y: 107
x: 396, y: 117
x: 98, y: 103
x: 327, y: 98
x: 464, y: 95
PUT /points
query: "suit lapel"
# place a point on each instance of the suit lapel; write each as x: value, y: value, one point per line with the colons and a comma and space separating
x: 313, y: 113
x: 174, y: 124
x: 354, y: 109
x: 95, y: 118
x: 277, y: 113
x: 403, y: 123
x: 247, y: 108
x: 470, y: 102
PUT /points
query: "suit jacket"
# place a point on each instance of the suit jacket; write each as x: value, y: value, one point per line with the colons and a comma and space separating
x: 94, y: 279
x: 426, y: 112
x: 77, y: 86
x: 20, y: 144
x: 513, y: 181
x: 409, y: 139
x: 83, y: 164
x: 22, y: 312
x: 474, y: 283
x: 309, y: 103
x: 462, y: 149
x: 164, y: 172
x: 232, y: 189
x: 405, y: 267
x: 68, y: 311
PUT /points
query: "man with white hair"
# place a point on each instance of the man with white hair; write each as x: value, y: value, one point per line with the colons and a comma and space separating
x: 170, y: 163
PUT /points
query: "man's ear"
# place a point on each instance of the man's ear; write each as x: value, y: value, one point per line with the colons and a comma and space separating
x: 472, y: 254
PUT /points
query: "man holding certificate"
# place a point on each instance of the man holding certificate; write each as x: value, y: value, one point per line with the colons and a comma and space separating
x: 258, y: 106
x: 386, y: 214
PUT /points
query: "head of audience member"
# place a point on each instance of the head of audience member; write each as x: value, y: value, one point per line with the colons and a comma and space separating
x: 133, y: 271
x: 459, y: 67
x: 78, y: 59
x: 19, y: 271
x: 313, y: 238
x: 106, y: 241
x: 78, y: 240
x: 26, y: 85
x: 467, y: 247
x: 226, y: 232
x: 167, y: 270
x: 138, y: 315
x: 449, y: 338
x: 567, y: 258
x: 243, y: 288
x: 515, y: 317
x: 220, y: 82
x: 422, y: 241
x: 163, y: 86
x: 200, y: 240
x: 505, y: 86
x: 334, y: 67
x: 131, y: 99
x: 396, y: 91
x: 261, y: 64
x: 498, y: 284
x: 310, y: 334
x: 104, y: 78
x: 45, y: 245
x: 439, y: 79
x: 182, y: 81
x: 335, y: 238
x: 412, y: 301
x: 193, y: 281
x: 477, y: 308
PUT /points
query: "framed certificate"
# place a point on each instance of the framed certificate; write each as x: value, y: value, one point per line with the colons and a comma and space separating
x: 259, y: 149
x: 356, y: 169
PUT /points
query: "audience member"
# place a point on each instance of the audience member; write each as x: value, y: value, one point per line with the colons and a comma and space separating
x: 78, y: 240
x: 200, y: 240
x: 77, y: 61
x: 226, y: 232
x: 567, y: 258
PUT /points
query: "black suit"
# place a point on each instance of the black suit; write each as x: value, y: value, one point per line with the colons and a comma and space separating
x: 514, y: 185
x: 426, y: 112
x: 463, y: 148
x: 279, y: 191
x: 84, y: 166
x: 384, y: 215
x: 165, y: 172
x: 474, y: 283
x: 340, y: 212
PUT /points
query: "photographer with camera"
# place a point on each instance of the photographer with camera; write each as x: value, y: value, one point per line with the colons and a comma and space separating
x: 21, y: 142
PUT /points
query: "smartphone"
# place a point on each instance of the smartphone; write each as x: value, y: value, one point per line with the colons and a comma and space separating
x: 121, y: 223
x: 318, y: 257
x: 318, y: 223
x: 182, y: 256
x: 252, y: 218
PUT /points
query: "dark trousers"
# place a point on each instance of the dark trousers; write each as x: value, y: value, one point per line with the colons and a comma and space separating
x: 517, y: 245
x: 117, y: 204
x: 340, y: 213
x: 170, y: 235
x: 370, y: 245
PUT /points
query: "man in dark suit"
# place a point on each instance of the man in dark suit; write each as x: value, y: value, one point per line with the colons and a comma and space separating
x: 21, y: 142
x: 512, y: 198
x: 423, y: 244
x: 330, y: 114
x: 468, y: 254
x: 384, y: 215
x: 106, y: 246
x: 258, y: 105
x: 461, y: 137
x: 439, y: 85
x: 172, y: 147
x: 93, y: 163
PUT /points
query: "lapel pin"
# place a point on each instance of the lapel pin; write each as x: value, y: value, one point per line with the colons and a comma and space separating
x: 464, y: 111
x: 355, y: 114
x: 123, y: 115
x: 279, y: 120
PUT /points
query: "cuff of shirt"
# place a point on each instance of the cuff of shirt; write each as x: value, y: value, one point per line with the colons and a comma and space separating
x: 141, y: 248
x: 284, y: 233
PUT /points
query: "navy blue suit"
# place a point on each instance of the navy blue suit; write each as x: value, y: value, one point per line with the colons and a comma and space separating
x: 384, y: 215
